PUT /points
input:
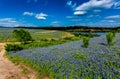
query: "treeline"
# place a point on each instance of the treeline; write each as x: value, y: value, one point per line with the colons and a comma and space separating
x: 72, y: 28
x: 75, y: 28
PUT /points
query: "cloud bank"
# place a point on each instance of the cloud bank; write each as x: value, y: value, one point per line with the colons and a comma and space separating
x: 113, y: 17
x: 10, y: 22
x: 96, y: 6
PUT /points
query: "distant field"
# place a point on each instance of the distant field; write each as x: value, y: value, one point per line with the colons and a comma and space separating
x: 6, y: 35
x: 37, y: 34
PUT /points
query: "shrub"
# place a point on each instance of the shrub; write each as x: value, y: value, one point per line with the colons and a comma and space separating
x: 91, y: 35
x: 110, y: 38
x: 52, y: 40
x: 81, y: 56
x: 67, y: 38
x: 22, y: 36
x: 44, y: 39
x: 86, y: 42
x: 13, y: 47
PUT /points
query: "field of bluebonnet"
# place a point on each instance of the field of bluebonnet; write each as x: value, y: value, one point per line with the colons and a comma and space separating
x: 72, y: 61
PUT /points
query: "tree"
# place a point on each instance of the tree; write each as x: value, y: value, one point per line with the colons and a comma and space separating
x: 22, y: 36
x: 110, y: 38
x: 86, y: 42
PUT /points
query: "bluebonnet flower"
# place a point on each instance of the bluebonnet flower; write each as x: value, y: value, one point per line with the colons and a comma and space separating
x: 100, y: 59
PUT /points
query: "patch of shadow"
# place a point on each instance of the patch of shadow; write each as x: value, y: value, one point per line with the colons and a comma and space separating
x: 84, y: 46
x: 103, y: 44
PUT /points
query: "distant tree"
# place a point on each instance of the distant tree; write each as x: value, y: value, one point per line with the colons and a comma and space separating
x: 22, y: 36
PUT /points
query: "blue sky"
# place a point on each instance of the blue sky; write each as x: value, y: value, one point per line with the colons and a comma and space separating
x: 104, y: 13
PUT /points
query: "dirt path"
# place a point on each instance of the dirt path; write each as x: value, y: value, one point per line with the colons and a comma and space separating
x: 10, y: 71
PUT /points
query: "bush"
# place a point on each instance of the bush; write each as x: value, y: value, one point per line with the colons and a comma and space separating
x: 81, y: 56
x: 22, y: 36
x: 110, y: 38
x: 86, y: 34
x: 52, y: 40
x: 86, y: 42
x: 44, y: 40
x: 13, y: 47
x: 67, y: 38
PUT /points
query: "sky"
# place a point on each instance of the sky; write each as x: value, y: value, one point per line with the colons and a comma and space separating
x: 96, y: 13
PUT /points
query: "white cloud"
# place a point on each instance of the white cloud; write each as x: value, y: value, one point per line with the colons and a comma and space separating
x: 71, y: 4
x: 117, y: 5
x: 94, y: 6
x: 28, y: 13
x: 71, y: 17
x: 113, y: 17
x: 41, y: 16
x: 91, y: 16
x: 96, y: 10
x: 111, y: 21
x: 79, y: 13
x: 55, y: 23
x: 9, y: 22
x: 106, y: 23
x: 76, y: 20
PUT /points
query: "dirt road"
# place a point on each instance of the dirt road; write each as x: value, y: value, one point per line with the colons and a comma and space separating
x: 10, y: 71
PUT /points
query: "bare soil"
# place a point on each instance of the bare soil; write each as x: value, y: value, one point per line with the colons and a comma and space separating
x: 8, y: 70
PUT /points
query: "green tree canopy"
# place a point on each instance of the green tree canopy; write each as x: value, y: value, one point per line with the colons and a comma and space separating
x: 22, y: 36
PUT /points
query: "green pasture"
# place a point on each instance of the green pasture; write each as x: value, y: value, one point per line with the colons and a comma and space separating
x: 37, y: 34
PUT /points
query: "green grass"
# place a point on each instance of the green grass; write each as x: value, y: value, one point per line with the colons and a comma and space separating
x: 37, y: 34
x: 42, y: 38
x: 46, y: 43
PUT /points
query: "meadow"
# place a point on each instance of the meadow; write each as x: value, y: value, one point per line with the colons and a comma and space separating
x: 66, y: 58
x: 42, y: 38
x: 6, y: 34
x: 71, y: 61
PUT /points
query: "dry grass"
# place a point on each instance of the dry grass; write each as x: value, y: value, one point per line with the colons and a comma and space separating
x: 67, y: 34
